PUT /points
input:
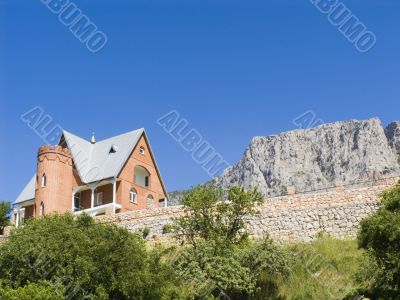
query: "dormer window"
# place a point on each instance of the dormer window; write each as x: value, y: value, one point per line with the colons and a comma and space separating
x: 113, y: 149
x: 141, y: 150
x: 44, y: 180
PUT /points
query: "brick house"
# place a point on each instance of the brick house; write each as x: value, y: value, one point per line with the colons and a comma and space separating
x: 115, y: 175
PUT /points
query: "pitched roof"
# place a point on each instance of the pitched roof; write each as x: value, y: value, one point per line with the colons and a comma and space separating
x: 94, y: 162
x: 28, y: 193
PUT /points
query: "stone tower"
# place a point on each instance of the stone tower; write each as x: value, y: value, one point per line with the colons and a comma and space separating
x: 55, y: 180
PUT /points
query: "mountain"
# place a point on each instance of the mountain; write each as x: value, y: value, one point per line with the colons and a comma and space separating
x: 344, y: 152
x: 392, y: 132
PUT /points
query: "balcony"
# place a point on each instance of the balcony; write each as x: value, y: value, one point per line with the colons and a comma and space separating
x: 96, y: 198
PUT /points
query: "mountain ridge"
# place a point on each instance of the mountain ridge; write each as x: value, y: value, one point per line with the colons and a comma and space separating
x: 315, y: 158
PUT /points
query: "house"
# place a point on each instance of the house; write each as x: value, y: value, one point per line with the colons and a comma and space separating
x: 115, y: 175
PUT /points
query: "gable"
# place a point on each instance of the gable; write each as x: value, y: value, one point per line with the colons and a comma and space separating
x: 146, y: 160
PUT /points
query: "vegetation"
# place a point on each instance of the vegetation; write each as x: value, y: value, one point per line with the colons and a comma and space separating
x: 5, y: 211
x: 218, y: 255
x: 167, y: 228
x: 380, y: 236
x: 67, y: 257
x: 83, y: 259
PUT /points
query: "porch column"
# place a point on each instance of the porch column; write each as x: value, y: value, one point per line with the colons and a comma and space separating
x: 17, y: 219
x: 114, y: 193
x: 92, y: 198
x: 73, y: 201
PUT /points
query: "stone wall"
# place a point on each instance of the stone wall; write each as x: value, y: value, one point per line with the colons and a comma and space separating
x: 296, y: 217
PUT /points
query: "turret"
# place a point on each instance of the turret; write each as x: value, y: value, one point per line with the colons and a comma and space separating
x: 54, y: 180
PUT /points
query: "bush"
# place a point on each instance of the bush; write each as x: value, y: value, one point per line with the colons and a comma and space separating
x: 88, y: 259
x: 33, y: 291
x: 145, y: 232
x: 219, y: 256
x: 5, y: 210
x: 167, y: 228
x: 380, y: 236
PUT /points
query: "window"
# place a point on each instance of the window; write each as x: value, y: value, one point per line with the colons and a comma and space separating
x: 41, y: 211
x: 133, y: 196
x: 98, y: 198
x: 142, y: 176
x: 113, y: 149
x: 162, y: 203
x: 141, y: 150
x: 77, y: 202
x: 149, y: 201
x: 44, y: 180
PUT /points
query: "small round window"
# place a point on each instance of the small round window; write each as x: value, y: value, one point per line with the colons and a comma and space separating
x: 141, y: 150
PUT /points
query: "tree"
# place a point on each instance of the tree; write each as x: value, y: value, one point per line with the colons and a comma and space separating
x: 84, y: 259
x: 214, y: 217
x: 219, y: 257
x: 5, y: 211
x: 380, y: 236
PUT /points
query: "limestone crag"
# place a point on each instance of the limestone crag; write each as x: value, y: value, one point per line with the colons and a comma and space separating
x: 392, y: 132
x: 346, y: 153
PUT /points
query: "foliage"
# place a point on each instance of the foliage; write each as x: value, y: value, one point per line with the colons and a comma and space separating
x: 145, y: 232
x: 89, y: 259
x: 219, y: 255
x: 380, y: 235
x: 5, y: 211
x: 214, y: 217
x: 33, y: 291
x: 167, y: 228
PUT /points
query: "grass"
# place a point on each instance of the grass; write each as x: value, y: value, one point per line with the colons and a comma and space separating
x: 327, y: 268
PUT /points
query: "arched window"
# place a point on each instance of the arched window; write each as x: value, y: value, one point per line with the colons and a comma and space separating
x: 133, y: 195
x: 141, y: 150
x: 150, y: 201
x: 44, y: 180
x: 142, y: 176
x: 41, y: 211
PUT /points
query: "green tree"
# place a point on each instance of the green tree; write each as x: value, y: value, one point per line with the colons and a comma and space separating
x: 218, y: 254
x: 5, y: 211
x: 214, y: 217
x: 84, y: 258
x: 380, y: 236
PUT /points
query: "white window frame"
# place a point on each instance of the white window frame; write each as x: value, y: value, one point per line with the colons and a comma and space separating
x: 133, y: 196
x: 98, y: 198
x: 44, y: 180
x: 41, y: 210
x: 142, y: 150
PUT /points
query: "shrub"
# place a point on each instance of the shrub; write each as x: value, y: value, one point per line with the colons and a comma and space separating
x: 5, y: 210
x: 91, y: 259
x: 145, y: 232
x: 33, y: 291
x: 167, y: 228
x: 380, y: 235
x: 219, y: 255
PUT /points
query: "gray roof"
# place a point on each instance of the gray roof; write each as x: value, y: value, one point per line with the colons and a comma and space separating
x: 95, y: 162
x: 28, y: 193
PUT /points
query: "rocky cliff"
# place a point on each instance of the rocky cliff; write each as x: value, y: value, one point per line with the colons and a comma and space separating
x: 392, y: 132
x: 349, y: 152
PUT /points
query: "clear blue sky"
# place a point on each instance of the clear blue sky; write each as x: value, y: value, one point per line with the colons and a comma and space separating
x: 233, y: 69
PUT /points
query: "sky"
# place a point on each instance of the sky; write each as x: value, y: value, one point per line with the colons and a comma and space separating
x: 233, y: 69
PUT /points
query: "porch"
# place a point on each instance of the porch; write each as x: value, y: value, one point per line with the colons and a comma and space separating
x: 96, y: 198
